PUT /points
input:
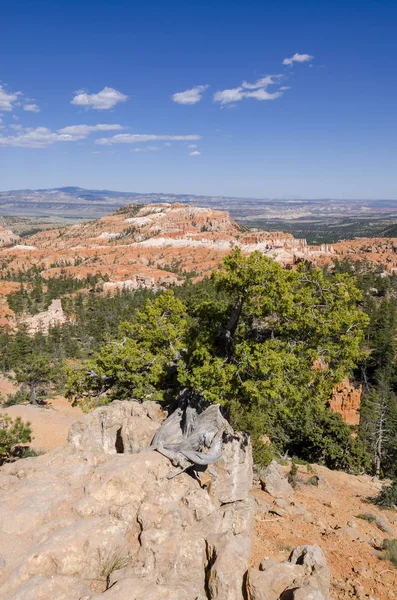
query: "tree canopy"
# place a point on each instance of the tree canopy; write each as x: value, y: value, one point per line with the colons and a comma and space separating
x: 267, y: 343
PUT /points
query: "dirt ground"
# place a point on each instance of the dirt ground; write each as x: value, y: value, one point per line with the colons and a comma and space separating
x: 50, y: 423
x: 350, y: 544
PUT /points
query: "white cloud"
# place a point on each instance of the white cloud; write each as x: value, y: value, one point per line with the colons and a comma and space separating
x: 299, y: 58
x: 137, y: 138
x: 8, y: 99
x: 103, y: 100
x: 195, y: 153
x: 257, y: 90
x: 262, y: 94
x: 262, y: 83
x: 147, y: 149
x: 42, y: 137
x: 192, y: 146
x: 231, y: 95
x: 84, y: 130
x: 191, y: 96
x: 31, y: 108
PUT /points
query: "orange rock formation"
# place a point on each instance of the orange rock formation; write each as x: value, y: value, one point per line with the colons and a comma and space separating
x: 346, y: 400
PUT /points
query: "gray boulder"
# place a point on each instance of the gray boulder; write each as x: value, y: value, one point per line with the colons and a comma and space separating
x: 274, y: 483
x: 122, y: 427
x: 305, y: 576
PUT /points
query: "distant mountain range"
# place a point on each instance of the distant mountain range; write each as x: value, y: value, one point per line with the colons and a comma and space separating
x: 75, y: 204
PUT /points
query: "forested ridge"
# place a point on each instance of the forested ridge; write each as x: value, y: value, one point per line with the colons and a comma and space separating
x: 267, y: 343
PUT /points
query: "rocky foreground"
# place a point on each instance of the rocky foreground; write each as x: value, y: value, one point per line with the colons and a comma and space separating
x: 101, y: 519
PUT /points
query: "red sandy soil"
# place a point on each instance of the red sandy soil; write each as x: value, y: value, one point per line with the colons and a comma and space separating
x: 50, y: 423
x: 356, y: 569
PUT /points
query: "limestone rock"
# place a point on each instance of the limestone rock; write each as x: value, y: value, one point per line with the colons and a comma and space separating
x: 46, y: 319
x: 305, y: 576
x: 122, y: 427
x: 315, y: 563
x: 274, y: 482
x: 88, y: 522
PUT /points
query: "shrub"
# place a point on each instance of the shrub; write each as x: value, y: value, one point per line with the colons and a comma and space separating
x: 12, y: 433
x: 111, y: 562
x: 313, y: 480
x: 387, y: 498
x: 390, y: 551
x: 20, y: 397
x: 367, y: 517
x: 293, y: 475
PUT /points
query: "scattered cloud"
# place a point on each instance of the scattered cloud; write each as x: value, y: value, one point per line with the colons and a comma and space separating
x: 137, y: 138
x: 299, y: 58
x: 84, y: 130
x: 42, y: 137
x: 31, y: 108
x: 8, y: 100
x: 231, y: 95
x: 103, y: 100
x: 195, y: 153
x: 191, y: 96
x: 192, y: 146
x: 147, y: 149
x: 263, y: 82
x: 257, y: 90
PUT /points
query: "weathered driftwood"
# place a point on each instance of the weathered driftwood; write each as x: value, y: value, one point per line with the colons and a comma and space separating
x: 191, y: 438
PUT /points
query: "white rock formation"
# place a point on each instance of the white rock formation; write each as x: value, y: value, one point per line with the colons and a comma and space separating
x: 46, y: 319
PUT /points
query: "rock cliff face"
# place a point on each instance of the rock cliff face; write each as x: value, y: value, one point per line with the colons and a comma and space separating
x: 147, y: 246
x: 346, y: 400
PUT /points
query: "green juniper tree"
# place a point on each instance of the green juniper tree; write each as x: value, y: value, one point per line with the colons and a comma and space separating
x: 250, y: 342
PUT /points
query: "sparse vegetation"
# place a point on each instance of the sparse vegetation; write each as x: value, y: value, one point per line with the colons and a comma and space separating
x: 12, y: 434
x: 112, y: 561
x: 387, y: 498
x: 367, y: 517
x: 390, y: 551
x: 293, y: 475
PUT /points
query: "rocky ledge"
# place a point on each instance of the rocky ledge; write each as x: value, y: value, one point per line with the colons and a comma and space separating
x: 103, y: 518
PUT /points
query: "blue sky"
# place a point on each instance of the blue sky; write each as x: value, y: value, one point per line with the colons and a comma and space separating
x: 256, y: 99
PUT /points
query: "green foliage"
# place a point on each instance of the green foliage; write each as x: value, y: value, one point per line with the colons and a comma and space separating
x: 12, y: 433
x: 20, y: 397
x: 111, y: 562
x: 387, y: 498
x: 370, y: 518
x: 390, y: 551
x: 293, y: 475
x: 142, y: 363
x: 313, y: 480
x: 254, y: 351
x: 35, y: 374
x: 248, y: 339
x: 38, y: 293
